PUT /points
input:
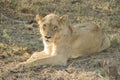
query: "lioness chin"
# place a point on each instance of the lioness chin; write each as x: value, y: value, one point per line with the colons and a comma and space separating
x: 62, y: 40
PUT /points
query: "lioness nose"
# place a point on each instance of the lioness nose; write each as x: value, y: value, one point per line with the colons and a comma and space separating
x: 47, y: 37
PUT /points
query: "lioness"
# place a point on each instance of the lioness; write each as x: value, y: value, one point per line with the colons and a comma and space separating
x: 62, y: 40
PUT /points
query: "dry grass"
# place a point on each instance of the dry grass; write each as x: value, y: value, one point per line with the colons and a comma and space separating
x: 18, y: 40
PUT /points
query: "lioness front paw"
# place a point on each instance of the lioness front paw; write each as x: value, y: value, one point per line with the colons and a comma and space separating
x: 20, y: 67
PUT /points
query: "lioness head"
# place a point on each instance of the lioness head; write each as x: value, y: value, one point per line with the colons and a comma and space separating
x: 50, y: 26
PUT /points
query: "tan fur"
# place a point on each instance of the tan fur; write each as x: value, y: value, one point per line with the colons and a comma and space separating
x: 62, y: 40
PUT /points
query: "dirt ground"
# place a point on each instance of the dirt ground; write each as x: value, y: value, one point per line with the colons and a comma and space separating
x: 20, y: 37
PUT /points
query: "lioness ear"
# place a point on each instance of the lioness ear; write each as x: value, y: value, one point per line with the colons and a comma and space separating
x: 38, y: 18
x: 64, y: 18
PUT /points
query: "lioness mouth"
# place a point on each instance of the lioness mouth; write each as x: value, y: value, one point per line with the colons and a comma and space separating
x: 48, y: 37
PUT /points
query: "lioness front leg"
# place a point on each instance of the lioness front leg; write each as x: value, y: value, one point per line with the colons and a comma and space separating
x: 42, y: 59
x: 52, y: 60
x: 34, y: 56
x: 37, y: 55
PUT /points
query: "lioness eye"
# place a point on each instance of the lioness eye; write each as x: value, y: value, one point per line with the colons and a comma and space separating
x: 55, y: 28
x: 44, y: 26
